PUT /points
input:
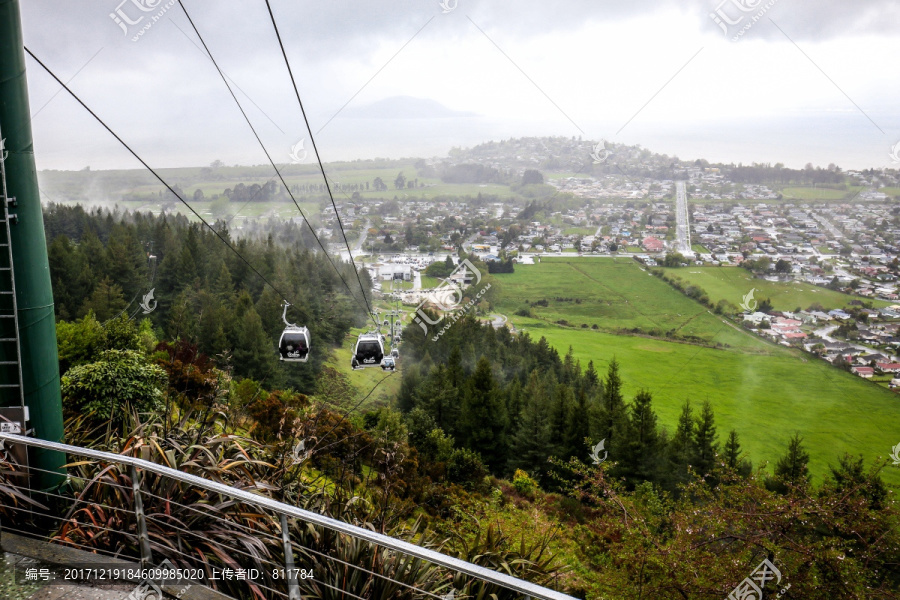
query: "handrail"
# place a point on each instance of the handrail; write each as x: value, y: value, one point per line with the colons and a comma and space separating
x: 507, y: 581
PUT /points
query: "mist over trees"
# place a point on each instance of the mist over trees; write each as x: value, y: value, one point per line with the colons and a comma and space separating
x: 204, y: 294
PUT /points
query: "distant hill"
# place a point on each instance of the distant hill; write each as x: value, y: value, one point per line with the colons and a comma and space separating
x: 404, y: 107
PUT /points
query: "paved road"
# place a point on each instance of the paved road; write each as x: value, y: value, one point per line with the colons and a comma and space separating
x: 469, y: 241
x: 362, y: 238
x: 825, y: 334
x: 828, y: 225
x: 682, y: 220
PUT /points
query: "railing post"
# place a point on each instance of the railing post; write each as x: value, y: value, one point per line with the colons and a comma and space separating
x: 291, y: 575
x: 143, y: 538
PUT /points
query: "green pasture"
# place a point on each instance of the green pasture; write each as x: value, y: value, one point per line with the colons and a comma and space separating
x: 763, y: 391
x: 364, y: 380
x: 430, y: 282
x: 817, y: 193
x: 614, y: 294
x: 733, y: 283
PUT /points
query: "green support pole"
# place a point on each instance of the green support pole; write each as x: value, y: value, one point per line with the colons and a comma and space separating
x: 34, y: 294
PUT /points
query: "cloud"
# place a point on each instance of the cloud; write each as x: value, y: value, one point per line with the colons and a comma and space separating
x: 589, y: 60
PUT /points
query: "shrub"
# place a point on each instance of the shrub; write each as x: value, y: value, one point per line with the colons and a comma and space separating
x: 523, y: 483
x: 108, y: 388
x: 465, y: 467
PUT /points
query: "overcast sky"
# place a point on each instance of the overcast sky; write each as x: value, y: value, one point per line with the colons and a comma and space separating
x: 804, y: 82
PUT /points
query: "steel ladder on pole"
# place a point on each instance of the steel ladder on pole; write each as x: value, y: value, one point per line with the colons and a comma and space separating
x: 11, y: 362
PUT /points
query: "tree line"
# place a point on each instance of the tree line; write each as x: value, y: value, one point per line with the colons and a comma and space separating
x: 104, y: 264
x: 517, y: 404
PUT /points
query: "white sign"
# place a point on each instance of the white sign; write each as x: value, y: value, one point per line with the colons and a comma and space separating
x: 11, y: 427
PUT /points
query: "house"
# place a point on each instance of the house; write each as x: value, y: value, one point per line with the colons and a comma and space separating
x: 866, y: 372
x: 652, y: 244
x: 877, y: 358
x: 888, y: 367
x: 756, y: 318
x: 794, y: 335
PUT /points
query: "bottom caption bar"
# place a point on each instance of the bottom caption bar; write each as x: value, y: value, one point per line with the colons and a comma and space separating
x: 166, y: 574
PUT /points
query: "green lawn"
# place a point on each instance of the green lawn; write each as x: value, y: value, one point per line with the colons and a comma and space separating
x: 763, y: 391
x: 580, y: 231
x: 401, y: 285
x: 65, y: 186
x: 699, y: 248
x: 430, y: 282
x: 810, y: 193
x: 613, y: 294
x: 364, y: 380
x: 732, y: 283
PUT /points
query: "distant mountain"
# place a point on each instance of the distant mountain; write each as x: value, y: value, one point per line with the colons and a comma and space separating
x: 404, y: 107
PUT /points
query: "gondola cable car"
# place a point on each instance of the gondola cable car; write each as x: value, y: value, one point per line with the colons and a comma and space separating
x: 294, y: 343
x: 368, y: 352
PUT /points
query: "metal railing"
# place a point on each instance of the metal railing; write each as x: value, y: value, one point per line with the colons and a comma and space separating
x: 278, y: 514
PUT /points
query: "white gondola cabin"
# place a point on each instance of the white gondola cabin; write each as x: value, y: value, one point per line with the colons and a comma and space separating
x: 369, y: 351
x: 294, y: 343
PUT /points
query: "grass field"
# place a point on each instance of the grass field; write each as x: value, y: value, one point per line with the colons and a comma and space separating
x: 699, y: 248
x: 732, y: 283
x: 580, y: 231
x: 810, y: 193
x: 613, y: 294
x: 364, y: 380
x: 763, y: 391
x: 111, y: 185
x: 430, y: 282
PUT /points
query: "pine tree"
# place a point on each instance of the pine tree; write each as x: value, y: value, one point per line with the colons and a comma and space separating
x: 733, y: 455
x: 185, y: 268
x: 639, y: 456
x: 407, y: 396
x: 792, y: 468
x: 182, y: 323
x: 514, y: 403
x: 706, y: 445
x: 571, y: 369
x: 105, y: 301
x: 560, y: 408
x: 484, y: 417
x: 578, y: 428
x: 254, y: 352
x: 591, y: 379
x: 613, y: 415
x: 850, y: 477
x: 71, y: 277
x: 439, y: 399
x: 681, y: 447
x: 211, y: 336
x: 531, y: 442
x: 223, y: 286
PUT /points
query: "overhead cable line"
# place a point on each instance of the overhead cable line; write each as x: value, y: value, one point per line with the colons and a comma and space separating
x: 278, y: 172
x: 155, y: 174
x: 316, y: 151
